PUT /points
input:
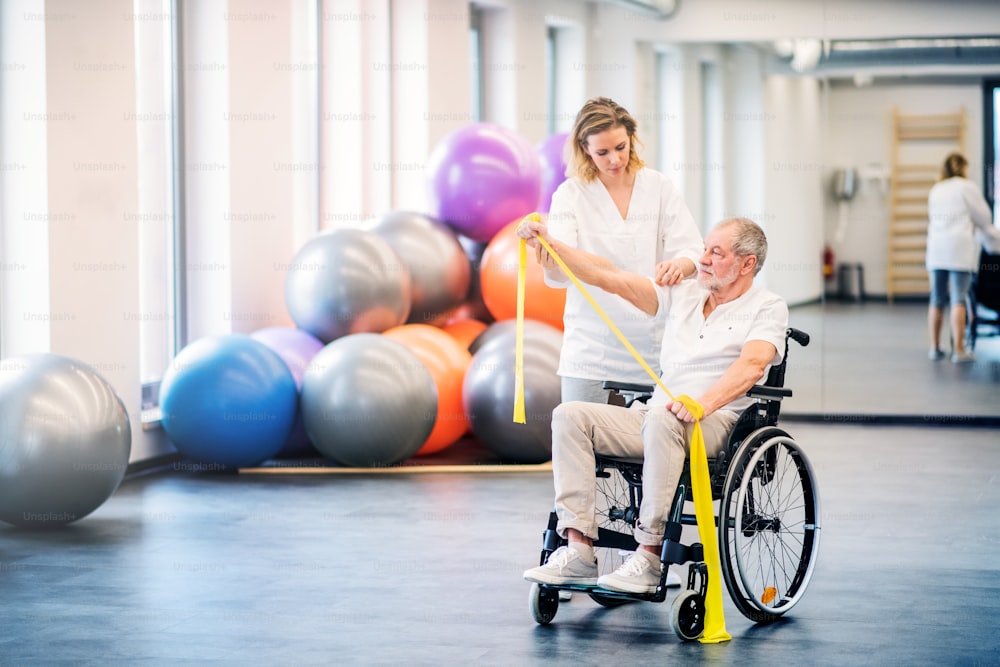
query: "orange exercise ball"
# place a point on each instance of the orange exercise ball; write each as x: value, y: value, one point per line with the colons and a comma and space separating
x: 498, y: 282
x: 465, y: 331
x: 447, y: 361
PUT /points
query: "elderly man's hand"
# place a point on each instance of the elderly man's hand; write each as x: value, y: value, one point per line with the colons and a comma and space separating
x: 683, y: 408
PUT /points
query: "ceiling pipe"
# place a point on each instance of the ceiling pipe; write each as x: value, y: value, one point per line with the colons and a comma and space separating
x: 660, y: 10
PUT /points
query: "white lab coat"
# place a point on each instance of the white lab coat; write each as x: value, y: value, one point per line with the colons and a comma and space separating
x: 658, y: 227
x: 959, y: 222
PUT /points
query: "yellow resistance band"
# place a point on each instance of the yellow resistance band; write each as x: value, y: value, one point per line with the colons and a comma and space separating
x: 522, y: 272
x: 701, y: 486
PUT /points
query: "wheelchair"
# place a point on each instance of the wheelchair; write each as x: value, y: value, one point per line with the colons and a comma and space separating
x: 768, y: 519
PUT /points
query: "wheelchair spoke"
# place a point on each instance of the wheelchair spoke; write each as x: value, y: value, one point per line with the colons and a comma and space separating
x: 616, y: 505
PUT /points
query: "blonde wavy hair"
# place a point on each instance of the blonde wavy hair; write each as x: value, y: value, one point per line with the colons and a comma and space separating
x: 597, y: 115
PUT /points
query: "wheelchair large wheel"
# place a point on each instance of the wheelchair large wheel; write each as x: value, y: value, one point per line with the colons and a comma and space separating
x: 769, y: 521
x: 617, y: 510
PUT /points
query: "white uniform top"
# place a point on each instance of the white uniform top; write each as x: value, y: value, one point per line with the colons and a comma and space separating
x: 696, y: 351
x: 658, y: 227
x: 959, y: 220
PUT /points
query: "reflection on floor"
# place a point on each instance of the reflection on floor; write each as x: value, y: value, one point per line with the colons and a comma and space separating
x: 425, y: 569
x: 871, y: 359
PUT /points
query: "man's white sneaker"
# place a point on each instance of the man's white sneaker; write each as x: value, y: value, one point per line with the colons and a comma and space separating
x: 636, y: 575
x: 566, y: 565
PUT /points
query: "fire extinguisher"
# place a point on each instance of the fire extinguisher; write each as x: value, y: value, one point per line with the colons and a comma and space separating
x: 827, y: 262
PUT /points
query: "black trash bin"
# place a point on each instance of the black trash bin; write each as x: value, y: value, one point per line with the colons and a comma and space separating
x: 851, y: 282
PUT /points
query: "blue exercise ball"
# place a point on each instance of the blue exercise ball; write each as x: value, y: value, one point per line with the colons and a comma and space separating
x: 228, y: 401
x: 368, y: 401
x: 65, y: 440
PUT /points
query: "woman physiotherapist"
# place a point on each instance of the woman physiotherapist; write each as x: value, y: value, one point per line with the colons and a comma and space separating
x: 614, y: 207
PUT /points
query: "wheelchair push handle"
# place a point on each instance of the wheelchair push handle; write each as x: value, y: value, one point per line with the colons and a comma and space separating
x: 799, y: 336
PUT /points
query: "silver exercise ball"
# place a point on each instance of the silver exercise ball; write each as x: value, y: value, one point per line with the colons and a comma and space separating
x: 347, y: 281
x: 488, y: 391
x: 368, y: 401
x: 65, y: 440
x: 439, y: 269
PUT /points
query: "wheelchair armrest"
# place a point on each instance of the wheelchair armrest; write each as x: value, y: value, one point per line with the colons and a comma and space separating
x: 628, y: 386
x: 627, y: 393
x: 770, y: 393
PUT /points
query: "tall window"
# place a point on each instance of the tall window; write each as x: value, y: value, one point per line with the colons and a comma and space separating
x: 991, y: 136
x: 155, y: 115
x: 358, y: 171
x: 475, y: 57
x: 670, y: 108
x: 712, y: 160
x: 551, y: 70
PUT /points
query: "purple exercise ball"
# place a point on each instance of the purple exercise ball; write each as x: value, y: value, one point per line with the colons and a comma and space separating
x: 296, y: 348
x: 550, y: 154
x: 482, y: 177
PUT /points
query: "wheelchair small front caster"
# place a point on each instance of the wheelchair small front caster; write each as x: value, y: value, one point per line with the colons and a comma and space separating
x: 543, y: 603
x: 687, y: 615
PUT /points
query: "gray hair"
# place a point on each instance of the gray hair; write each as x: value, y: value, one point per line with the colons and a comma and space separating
x: 748, y: 240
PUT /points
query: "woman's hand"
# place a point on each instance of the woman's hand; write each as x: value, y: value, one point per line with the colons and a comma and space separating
x: 530, y: 228
x: 668, y: 273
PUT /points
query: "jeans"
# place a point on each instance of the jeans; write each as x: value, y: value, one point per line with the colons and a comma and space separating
x: 949, y: 287
x: 654, y: 435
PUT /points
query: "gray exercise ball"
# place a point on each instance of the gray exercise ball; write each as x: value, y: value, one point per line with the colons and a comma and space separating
x: 347, y: 281
x: 65, y: 440
x: 439, y: 269
x: 488, y: 391
x: 368, y: 401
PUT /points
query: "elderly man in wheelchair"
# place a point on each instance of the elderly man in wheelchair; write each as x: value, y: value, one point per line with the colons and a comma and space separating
x: 722, y: 334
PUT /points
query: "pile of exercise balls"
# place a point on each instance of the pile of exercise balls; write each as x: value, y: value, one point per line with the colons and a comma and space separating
x: 401, y: 339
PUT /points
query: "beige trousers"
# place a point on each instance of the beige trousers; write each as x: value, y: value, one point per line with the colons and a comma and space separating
x: 654, y: 435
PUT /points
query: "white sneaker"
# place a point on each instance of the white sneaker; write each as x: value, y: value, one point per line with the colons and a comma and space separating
x: 962, y: 357
x: 636, y: 575
x: 566, y: 565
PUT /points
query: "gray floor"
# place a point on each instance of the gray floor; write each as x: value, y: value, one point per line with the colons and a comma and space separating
x: 871, y: 359
x: 424, y: 568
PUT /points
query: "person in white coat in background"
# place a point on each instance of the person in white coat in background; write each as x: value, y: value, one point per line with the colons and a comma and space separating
x: 959, y: 222
x: 614, y: 207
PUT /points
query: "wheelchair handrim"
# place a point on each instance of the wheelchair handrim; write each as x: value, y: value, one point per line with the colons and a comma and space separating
x: 812, y: 529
